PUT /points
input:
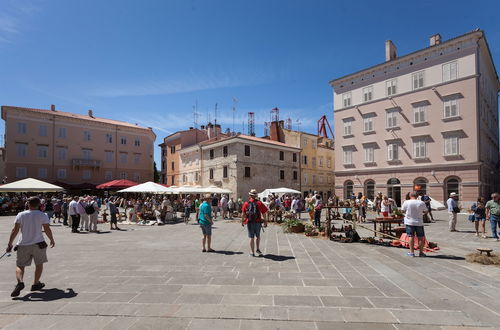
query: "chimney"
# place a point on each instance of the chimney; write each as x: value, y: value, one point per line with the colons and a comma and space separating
x: 276, y: 133
x: 91, y: 113
x: 435, y: 40
x: 390, y: 51
x: 52, y: 107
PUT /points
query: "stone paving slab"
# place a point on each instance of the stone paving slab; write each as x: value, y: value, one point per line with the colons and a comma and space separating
x: 157, y: 278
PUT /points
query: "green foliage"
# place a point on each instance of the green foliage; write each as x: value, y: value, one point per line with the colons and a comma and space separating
x: 289, y: 223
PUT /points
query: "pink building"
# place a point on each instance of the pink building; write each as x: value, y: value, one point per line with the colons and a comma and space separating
x: 57, y: 146
x: 426, y: 121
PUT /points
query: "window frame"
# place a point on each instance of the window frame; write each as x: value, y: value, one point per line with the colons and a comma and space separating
x: 87, y: 136
x: 419, y: 110
x: 249, y: 174
x: 39, y: 153
x: 21, y: 147
x: 247, y: 150
x: 43, y: 130
x: 346, y: 98
x: 347, y: 127
x: 225, y: 172
x: 419, y: 79
x: 393, y: 114
x: 417, y: 145
x: 347, y: 157
x: 369, y: 154
x: 368, y: 120
x: 392, y: 86
x: 450, y: 104
x: 61, y: 170
x: 367, y: 91
x: 282, y: 175
x: 62, y: 132
x: 449, y: 64
x: 392, y: 149
x: 454, y: 138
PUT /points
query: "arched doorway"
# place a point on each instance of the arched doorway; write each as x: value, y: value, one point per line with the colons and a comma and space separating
x: 394, y: 190
x: 451, y: 185
x: 348, y: 189
x: 370, y: 189
x: 420, y: 186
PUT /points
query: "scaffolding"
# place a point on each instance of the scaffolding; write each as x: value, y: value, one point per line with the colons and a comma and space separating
x: 251, y: 123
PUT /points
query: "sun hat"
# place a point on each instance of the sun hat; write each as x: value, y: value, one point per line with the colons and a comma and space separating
x: 453, y: 194
x: 253, y: 193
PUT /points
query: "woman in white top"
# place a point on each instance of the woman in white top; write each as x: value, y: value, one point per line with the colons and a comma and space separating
x: 385, y: 206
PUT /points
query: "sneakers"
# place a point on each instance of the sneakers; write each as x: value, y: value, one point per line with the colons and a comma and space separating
x: 409, y: 254
x: 38, y: 286
x: 259, y: 253
x: 421, y: 254
x: 17, y: 289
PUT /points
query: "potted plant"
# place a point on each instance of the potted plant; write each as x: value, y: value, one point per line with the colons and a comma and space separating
x: 310, y: 230
x: 293, y: 226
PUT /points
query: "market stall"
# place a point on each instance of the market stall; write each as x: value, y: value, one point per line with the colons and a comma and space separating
x: 30, y: 185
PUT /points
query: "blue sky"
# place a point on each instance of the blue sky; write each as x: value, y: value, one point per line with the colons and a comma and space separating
x: 150, y: 62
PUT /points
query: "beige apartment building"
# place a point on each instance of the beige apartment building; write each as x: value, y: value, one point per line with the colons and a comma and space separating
x: 241, y: 163
x: 57, y: 146
x: 316, y: 158
x: 175, y: 143
x: 426, y: 121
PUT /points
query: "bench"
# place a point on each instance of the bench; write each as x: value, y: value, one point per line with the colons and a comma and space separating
x: 488, y: 251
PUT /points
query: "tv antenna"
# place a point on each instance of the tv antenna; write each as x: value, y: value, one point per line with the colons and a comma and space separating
x: 235, y: 100
x: 215, y: 119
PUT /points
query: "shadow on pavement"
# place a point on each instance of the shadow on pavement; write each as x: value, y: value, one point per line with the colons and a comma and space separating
x: 444, y: 256
x: 274, y: 257
x: 48, y: 295
x: 104, y: 232
x: 228, y: 253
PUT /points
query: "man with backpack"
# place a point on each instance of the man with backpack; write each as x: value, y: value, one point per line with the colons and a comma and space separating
x: 252, y: 212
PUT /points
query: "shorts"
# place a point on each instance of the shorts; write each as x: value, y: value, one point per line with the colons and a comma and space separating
x: 411, y: 230
x: 26, y: 253
x: 113, y: 218
x: 479, y: 218
x: 254, y: 229
x: 206, y: 230
x: 187, y: 211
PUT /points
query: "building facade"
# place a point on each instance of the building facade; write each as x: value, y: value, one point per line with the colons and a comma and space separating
x: 427, y: 121
x: 316, y: 158
x: 172, y: 146
x: 57, y: 146
x: 241, y: 163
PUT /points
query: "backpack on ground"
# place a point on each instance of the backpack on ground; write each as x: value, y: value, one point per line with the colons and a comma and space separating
x: 252, y: 212
x: 89, y: 209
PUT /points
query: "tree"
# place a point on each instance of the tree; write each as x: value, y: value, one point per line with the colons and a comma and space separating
x: 156, y: 174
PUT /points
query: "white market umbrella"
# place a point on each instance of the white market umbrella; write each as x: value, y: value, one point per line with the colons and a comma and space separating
x: 30, y: 185
x: 435, y: 205
x: 277, y: 191
x: 147, y: 187
x: 188, y: 190
x: 216, y: 190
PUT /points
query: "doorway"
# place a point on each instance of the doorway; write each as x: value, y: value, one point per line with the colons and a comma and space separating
x: 394, y: 190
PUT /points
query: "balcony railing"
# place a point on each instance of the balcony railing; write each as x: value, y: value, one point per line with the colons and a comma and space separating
x: 86, y: 162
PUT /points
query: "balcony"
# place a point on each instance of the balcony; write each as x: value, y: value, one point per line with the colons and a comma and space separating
x: 86, y: 163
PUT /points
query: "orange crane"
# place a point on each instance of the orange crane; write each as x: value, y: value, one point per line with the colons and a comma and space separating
x: 322, y: 124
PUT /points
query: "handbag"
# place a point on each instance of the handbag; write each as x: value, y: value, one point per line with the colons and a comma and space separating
x: 456, y: 209
x: 471, y: 217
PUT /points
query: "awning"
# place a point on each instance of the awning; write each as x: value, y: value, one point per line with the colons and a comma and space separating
x: 147, y: 187
x: 30, y: 185
x: 117, y: 184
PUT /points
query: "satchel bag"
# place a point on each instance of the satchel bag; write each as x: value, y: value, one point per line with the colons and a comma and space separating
x: 471, y: 217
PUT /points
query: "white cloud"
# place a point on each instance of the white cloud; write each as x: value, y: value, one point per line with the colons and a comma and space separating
x: 14, y: 17
x: 189, y: 83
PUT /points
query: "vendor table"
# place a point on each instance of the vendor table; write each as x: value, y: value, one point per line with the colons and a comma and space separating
x: 386, y: 223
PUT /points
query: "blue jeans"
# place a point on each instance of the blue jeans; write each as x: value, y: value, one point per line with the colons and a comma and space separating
x: 317, y: 218
x: 495, y: 223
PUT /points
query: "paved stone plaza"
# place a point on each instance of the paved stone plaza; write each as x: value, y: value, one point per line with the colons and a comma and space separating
x: 157, y: 278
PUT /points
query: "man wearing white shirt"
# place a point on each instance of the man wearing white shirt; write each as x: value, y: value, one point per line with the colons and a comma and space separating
x: 31, y: 245
x: 414, y: 220
x: 74, y: 213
